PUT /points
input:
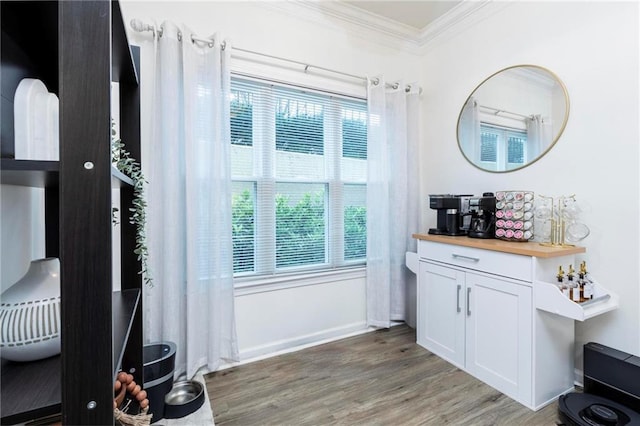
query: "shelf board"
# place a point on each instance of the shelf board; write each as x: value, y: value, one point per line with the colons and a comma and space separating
x: 119, y: 179
x: 34, y: 173
x: 44, y: 174
x: 32, y: 390
x: 124, y: 305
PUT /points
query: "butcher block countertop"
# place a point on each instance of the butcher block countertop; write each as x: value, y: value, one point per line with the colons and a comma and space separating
x: 514, y: 247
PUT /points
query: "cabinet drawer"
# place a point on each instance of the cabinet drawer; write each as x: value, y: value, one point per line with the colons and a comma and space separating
x: 493, y: 262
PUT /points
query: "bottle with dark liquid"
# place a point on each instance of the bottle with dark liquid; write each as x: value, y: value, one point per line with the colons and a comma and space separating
x: 561, y: 284
x: 576, y: 290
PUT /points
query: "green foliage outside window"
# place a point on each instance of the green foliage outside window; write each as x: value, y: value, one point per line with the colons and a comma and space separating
x: 242, y: 223
x: 300, y: 231
x: 241, y: 120
x: 355, y: 233
x: 354, y: 139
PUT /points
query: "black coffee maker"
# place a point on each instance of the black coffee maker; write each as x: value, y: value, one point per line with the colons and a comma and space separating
x: 450, y: 214
x: 483, y: 216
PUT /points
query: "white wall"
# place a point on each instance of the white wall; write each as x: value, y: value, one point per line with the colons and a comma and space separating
x: 593, y: 47
x: 21, y: 231
x: 269, y: 319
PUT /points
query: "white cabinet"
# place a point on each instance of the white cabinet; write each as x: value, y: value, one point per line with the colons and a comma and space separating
x: 479, y: 323
x: 488, y: 307
x: 498, y: 334
x: 441, y: 321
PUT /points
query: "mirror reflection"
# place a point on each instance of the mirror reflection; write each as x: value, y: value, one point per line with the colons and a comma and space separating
x: 513, y: 118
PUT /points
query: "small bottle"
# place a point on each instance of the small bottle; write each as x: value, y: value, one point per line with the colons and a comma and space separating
x: 561, y: 284
x: 575, y: 288
x: 588, y: 284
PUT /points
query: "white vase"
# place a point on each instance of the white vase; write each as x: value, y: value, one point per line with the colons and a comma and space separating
x: 30, y: 323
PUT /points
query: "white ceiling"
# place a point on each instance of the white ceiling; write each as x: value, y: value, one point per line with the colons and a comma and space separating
x: 417, y: 13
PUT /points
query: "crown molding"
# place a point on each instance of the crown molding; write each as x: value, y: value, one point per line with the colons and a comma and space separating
x: 336, y: 14
x: 461, y: 17
x: 454, y: 16
x: 363, y: 18
x: 387, y: 31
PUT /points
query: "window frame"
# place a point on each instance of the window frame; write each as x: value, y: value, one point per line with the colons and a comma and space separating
x: 265, y: 184
x: 502, y: 147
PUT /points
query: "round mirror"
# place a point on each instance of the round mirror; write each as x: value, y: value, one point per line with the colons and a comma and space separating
x: 513, y: 118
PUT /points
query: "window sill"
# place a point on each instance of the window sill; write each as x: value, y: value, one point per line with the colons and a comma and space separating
x: 247, y: 286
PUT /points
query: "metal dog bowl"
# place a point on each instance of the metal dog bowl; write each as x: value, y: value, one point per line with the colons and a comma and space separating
x: 184, y: 398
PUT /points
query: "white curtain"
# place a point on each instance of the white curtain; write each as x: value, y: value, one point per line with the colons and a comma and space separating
x: 469, y: 130
x: 538, y: 136
x: 392, y: 198
x: 189, y: 204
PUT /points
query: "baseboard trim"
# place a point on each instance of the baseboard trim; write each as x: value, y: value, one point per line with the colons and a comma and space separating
x: 280, y: 347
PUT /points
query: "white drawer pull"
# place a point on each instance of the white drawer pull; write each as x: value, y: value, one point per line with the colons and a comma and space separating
x: 459, y: 256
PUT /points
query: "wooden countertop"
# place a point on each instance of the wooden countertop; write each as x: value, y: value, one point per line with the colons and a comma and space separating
x: 514, y: 247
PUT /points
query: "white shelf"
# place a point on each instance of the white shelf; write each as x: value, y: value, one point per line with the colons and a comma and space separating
x: 549, y: 298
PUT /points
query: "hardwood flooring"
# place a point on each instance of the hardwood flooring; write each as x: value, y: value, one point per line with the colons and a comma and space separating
x: 378, y: 378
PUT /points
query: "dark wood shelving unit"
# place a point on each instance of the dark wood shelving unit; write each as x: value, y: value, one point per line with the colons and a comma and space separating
x: 43, y: 377
x: 78, y: 48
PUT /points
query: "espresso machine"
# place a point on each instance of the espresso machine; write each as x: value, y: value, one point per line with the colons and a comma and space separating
x: 483, y: 216
x: 464, y: 215
x: 450, y: 218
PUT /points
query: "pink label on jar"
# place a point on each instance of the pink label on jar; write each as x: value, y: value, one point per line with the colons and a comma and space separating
x: 508, y: 224
x: 499, y: 214
x: 500, y: 223
x: 499, y: 232
x: 508, y: 233
x: 518, y: 234
x: 508, y: 214
x: 518, y: 224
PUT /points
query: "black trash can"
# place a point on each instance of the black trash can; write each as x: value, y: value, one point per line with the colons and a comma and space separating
x: 159, y: 365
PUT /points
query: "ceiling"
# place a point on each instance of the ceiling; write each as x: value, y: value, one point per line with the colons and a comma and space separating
x: 417, y: 13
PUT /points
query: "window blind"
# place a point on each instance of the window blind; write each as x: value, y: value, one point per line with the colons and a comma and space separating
x: 299, y: 166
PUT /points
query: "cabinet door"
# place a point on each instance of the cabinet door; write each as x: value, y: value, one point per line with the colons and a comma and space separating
x: 440, y: 325
x: 498, y: 335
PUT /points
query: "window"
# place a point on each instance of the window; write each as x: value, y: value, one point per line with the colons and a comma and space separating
x: 502, y: 148
x: 299, y: 162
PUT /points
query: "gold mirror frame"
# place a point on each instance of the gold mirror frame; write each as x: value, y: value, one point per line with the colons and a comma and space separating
x: 555, y: 136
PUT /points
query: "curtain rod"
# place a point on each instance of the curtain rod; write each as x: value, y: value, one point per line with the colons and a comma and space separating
x: 497, y: 111
x: 139, y: 26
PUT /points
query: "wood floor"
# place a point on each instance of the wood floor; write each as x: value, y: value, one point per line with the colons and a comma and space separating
x: 378, y: 378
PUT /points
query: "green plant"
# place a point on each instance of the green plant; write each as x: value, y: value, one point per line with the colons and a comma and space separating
x: 122, y: 160
x: 300, y: 231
